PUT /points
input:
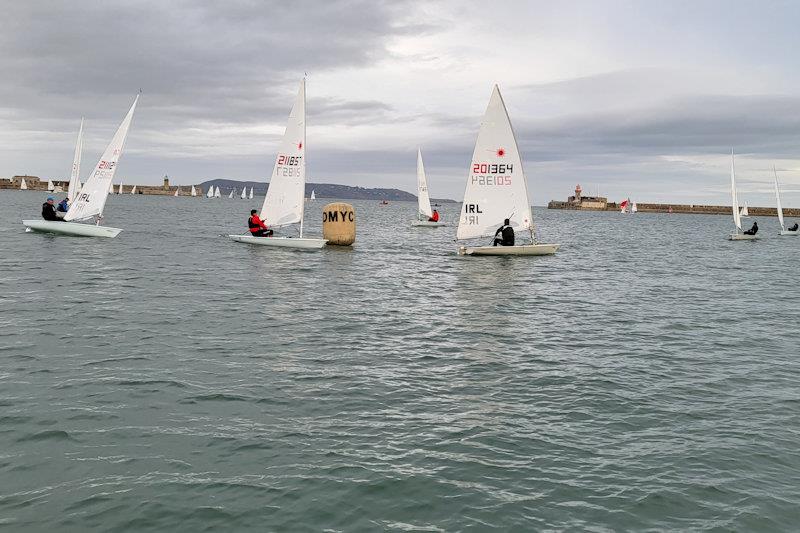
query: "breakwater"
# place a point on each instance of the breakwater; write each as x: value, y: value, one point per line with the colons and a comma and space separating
x: 690, y: 209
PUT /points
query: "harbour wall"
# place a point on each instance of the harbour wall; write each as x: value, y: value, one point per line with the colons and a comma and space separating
x: 35, y: 183
x: 692, y: 209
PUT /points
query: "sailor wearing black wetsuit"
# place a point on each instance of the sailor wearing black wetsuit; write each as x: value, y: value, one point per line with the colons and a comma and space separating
x: 504, y: 236
x: 753, y: 230
x: 49, y: 210
x: 794, y: 228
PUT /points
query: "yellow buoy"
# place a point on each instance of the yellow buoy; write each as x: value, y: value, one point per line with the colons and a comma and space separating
x: 339, y: 224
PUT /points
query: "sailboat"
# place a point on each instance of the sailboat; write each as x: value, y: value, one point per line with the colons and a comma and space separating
x: 110, y: 188
x: 133, y: 191
x: 634, y: 209
x: 119, y: 191
x: 623, y: 206
x: 210, y: 193
x: 284, y: 203
x: 251, y: 193
x: 783, y: 231
x: 216, y: 192
x: 738, y: 235
x: 313, y: 195
x: 177, y: 191
x: 50, y: 186
x: 231, y: 194
x: 423, y: 199
x: 194, y: 191
x: 497, y: 188
x: 74, y: 178
x: 92, y: 197
x: 23, y: 185
x: 244, y: 193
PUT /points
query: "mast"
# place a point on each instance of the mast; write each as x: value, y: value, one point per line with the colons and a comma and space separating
x: 305, y: 159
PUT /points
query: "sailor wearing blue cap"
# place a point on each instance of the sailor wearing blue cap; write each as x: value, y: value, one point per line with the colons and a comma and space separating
x: 49, y: 210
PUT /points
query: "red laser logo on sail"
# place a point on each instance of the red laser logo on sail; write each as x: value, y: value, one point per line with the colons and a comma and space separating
x: 501, y: 152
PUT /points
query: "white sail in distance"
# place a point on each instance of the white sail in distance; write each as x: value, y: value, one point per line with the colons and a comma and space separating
x: 23, y: 185
x: 496, y: 185
x: 210, y: 192
x: 110, y: 188
x: 423, y: 198
x: 778, y: 199
x: 92, y: 197
x: 284, y: 201
x: 177, y: 191
x: 244, y: 193
x: 119, y: 191
x: 74, y: 179
x: 50, y: 186
x: 216, y: 192
x: 231, y: 194
x: 737, y: 219
x: 313, y: 195
x: 251, y: 193
x: 194, y: 191
x: 133, y: 191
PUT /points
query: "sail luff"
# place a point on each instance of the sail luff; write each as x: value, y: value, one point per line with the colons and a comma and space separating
x: 74, y: 179
x: 91, y: 199
x: 734, y: 198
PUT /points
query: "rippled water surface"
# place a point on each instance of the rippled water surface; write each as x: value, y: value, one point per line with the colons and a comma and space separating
x: 645, y: 378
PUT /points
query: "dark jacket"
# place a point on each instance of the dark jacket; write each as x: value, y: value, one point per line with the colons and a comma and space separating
x: 49, y: 212
x: 508, y: 235
x: 62, y: 206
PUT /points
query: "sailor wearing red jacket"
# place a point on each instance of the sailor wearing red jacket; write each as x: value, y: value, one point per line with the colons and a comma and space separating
x: 257, y: 226
x: 434, y: 217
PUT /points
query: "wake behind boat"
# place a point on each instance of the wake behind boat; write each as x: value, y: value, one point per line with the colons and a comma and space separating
x: 424, y: 209
x: 91, y: 199
x: 497, y: 191
x: 285, y: 200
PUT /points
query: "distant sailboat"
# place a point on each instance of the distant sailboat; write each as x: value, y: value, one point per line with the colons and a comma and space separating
x: 91, y: 199
x: 634, y: 209
x: 313, y: 196
x: 194, y: 191
x: 74, y: 179
x: 177, y: 191
x: 133, y: 191
x: 231, y: 194
x: 210, y: 192
x: 244, y: 193
x: 783, y: 231
x: 216, y: 192
x: 23, y: 186
x: 50, y: 186
x: 119, y: 191
x: 110, y: 188
x: 744, y: 211
x: 738, y: 235
x: 284, y: 203
x: 423, y: 198
x: 251, y: 193
x: 497, y: 188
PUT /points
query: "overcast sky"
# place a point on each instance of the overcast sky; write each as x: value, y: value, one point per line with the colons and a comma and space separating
x: 640, y: 99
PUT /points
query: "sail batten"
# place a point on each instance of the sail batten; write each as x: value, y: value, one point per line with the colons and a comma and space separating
x: 91, y: 198
x: 496, y: 185
x: 283, y: 204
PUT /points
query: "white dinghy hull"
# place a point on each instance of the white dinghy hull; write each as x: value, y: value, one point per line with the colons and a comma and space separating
x: 71, y: 228
x: 527, y: 249
x: 282, y: 242
x: 788, y: 232
x: 741, y: 237
x: 427, y: 224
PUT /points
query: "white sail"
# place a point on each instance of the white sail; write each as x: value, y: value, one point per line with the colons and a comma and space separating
x: 496, y: 186
x: 734, y: 198
x: 210, y: 193
x: 194, y: 191
x: 92, y: 197
x: 251, y: 193
x: 284, y: 201
x: 110, y: 188
x: 74, y: 179
x: 50, y: 186
x: 423, y: 198
x: 23, y: 185
x: 177, y: 191
x: 119, y: 191
x: 634, y: 208
x: 244, y: 193
x: 133, y: 191
x: 313, y: 195
x: 231, y: 194
x: 216, y: 192
x: 744, y: 212
x: 778, y: 199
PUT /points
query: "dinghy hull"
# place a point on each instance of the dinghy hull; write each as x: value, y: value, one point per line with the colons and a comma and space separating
x: 787, y: 232
x: 427, y: 224
x: 282, y: 242
x: 528, y: 249
x: 71, y: 228
x: 741, y: 237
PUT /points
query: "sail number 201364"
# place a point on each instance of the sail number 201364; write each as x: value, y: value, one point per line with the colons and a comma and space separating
x: 491, y: 174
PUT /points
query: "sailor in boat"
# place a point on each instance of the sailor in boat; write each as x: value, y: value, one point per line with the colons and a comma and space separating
x: 753, y: 230
x: 504, y: 236
x: 257, y: 226
x: 49, y: 210
x: 434, y: 217
x: 61, y: 210
x: 795, y: 227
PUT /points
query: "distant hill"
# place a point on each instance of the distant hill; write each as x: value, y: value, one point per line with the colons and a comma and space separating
x: 322, y: 190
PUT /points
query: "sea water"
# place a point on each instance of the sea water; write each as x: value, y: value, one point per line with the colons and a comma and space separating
x: 644, y: 378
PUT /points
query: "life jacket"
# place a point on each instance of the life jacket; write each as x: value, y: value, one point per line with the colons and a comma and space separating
x: 254, y: 226
x: 435, y: 217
